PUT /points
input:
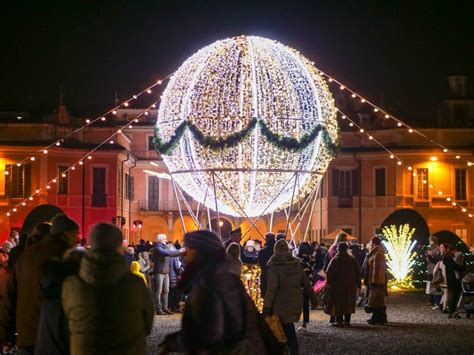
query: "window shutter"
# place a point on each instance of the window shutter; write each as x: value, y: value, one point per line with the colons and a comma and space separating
x: 335, y: 182
x: 27, y: 180
x: 8, y: 180
x: 355, y: 182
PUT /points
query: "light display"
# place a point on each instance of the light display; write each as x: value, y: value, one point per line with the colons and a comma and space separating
x: 400, y: 258
x: 243, y: 118
x: 251, y: 279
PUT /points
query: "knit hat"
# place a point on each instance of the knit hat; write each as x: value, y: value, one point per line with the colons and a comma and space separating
x: 250, y: 243
x: 376, y: 241
x: 434, y: 238
x: 203, y: 241
x: 342, y: 247
x: 105, y: 237
x: 281, y: 247
x: 62, y: 224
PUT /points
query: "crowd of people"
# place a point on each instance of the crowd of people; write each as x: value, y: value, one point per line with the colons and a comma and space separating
x: 62, y: 295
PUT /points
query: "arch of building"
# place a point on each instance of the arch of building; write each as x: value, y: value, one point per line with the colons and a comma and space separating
x: 178, y: 231
x: 226, y: 228
x: 154, y: 225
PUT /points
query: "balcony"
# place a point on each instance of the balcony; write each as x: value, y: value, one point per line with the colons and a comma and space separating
x: 164, y: 205
x: 344, y: 202
x: 99, y: 200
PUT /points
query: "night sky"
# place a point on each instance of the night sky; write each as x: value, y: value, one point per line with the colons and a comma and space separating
x: 399, y: 50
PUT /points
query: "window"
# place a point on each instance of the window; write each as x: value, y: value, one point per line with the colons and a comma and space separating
x: 151, y: 145
x: 63, y: 180
x: 153, y: 193
x: 380, y: 182
x: 18, y: 181
x: 345, y: 182
x: 460, y: 187
x: 99, y: 198
x: 461, y: 233
x: 422, y: 184
x: 129, y: 187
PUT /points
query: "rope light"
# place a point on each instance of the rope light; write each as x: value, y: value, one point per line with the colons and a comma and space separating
x: 392, y: 155
x: 80, y: 161
x: 387, y: 115
x: 89, y: 122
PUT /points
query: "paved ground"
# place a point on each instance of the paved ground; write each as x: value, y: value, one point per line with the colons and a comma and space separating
x: 413, y: 328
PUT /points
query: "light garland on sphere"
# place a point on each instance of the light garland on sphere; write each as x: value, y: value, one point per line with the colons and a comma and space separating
x: 207, y: 125
x: 251, y: 279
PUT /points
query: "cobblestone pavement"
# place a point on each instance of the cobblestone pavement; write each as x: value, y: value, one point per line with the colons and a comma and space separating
x: 413, y: 328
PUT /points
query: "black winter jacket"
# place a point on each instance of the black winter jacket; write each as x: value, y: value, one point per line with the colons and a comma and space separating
x: 161, y: 258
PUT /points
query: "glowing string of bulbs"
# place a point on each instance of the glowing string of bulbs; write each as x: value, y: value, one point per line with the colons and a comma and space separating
x: 400, y: 162
x: 80, y: 162
x: 387, y: 115
x: 58, y: 142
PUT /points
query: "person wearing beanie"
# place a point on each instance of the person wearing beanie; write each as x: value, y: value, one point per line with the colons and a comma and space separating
x: 263, y: 257
x: 135, y: 269
x: 250, y: 253
x: 433, y: 256
x: 343, y: 280
x: 375, y: 280
x: 108, y: 309
x: 286, y: 285
x: 280, y: 236
x: 216, y: 313
x: 22, y: 302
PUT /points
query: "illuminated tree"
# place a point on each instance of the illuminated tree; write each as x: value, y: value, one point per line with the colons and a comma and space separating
x: 401, y: 258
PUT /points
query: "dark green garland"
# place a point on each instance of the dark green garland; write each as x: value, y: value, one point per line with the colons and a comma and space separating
x: 282, y: 142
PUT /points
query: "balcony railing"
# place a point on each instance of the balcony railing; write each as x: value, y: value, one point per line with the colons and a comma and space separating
x: 344, y: 202
x: 164, y: 205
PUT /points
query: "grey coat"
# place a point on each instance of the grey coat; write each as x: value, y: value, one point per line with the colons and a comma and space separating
x: 432, y: 259
x: 286, y: 281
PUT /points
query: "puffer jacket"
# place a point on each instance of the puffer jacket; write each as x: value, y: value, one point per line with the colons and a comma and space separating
x: 109, y: 310
x: 286, y: 282
x: 160, y: 256
x: 23, y: 299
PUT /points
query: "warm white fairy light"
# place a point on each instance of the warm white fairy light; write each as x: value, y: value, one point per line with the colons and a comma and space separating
x: 400, y: 255
x: 220, y: 89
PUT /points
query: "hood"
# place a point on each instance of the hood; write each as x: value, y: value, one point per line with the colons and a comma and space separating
x: 135, y: 267
x: 377, y: 249
x: 99, y: 267
x: 284, y: 259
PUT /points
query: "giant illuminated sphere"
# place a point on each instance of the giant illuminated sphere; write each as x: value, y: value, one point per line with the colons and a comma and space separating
x: 221, y: 89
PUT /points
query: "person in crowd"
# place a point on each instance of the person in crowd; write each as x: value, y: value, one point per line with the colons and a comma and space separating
x: 357, y: 252
x: 82, y: 243
x: 141, y: 247
x: 280, y: 236
x: 16, y: 251
x: 53, y: 332
x: 286, y: 285
x: 109, y: 310
x: 214, y: 319
x: 135, y: 270
x: 175, y: 295
x: 451, y: 285
x: 160, y: 258
x: 128, y: 255
x: 319, y: 258
x: 4, y: 273
x: 250, y: 252
x: 177, y: 245
x: 307, y: 262
x: 235, y: 236
x: 343, y: 278
x: 144, y: 261
x: 233, y: 257
x: 263, y: 257
x: 39, y: 232
x: 23, y: 300
x: 258, y: 245
x: 14, y: 237
x: 433, y: 256
x: 375, y: 279
x: 340, y: 237
x: 7, y: 246
x: 148, y: 245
